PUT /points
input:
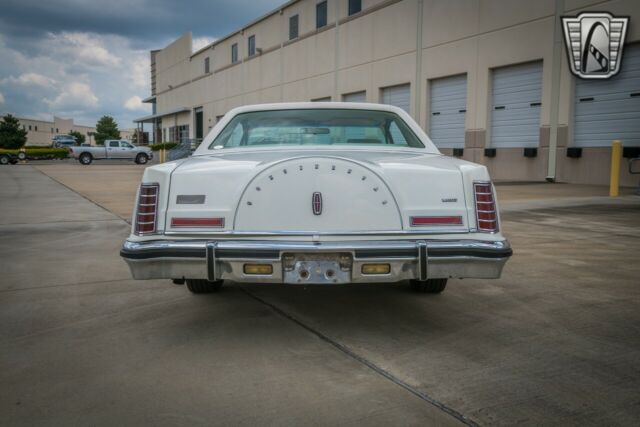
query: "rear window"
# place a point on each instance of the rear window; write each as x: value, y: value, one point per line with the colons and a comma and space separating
x: 316, y: 127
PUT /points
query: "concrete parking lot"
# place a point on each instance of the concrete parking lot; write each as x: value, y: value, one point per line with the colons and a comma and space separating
x: 555, y: 341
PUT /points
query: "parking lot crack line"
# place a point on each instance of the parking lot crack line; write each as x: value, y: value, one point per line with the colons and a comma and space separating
x: 362, y: 360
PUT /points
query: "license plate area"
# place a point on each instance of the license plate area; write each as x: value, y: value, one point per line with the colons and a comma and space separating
x: 317, y: 268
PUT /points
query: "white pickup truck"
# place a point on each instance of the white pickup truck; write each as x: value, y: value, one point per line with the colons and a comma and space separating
x: 113, y: 149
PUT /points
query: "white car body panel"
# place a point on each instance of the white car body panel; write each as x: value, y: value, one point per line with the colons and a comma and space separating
x: 369, y: 193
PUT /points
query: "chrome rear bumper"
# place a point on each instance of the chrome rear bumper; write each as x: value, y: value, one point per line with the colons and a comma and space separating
x: 224, y: 259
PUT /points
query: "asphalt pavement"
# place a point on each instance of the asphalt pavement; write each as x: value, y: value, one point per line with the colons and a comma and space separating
x: 556, y: 341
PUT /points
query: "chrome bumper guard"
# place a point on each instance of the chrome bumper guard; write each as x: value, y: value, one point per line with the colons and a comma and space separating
x: 224, y: 259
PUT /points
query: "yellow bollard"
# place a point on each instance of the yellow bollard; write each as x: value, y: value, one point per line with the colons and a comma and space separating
x: 616, y: 155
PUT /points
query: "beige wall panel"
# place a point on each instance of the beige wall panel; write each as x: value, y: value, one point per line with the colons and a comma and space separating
x: 177, y: 51
x: 594, y: 167
x: 510, y: 165
x: 356, y: 42
x: 269, y: 72
x: 496, y: 14
x: 395, y: 29
x: 252, y: 74
x: 320, y: 86
x: 321, y: 51
x: 268, y: 32
x: 295, y: 91
x: 446, y: 20
x: 251, y: 98
x: 269, y: 95
x: 356, y: 79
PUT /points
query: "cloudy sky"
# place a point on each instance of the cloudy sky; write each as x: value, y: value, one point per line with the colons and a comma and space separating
x: 86, y: 58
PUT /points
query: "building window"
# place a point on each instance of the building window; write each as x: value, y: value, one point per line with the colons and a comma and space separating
x: 251, y: 45
x: 234, y: 53
x: 293, y: 27
x: 51, y: 130
x: 321, y: 14
x: 29, y: 127
x: 57, y: 131
x: 355, y: 6
x: 35, y: 128
x: 206, y: 65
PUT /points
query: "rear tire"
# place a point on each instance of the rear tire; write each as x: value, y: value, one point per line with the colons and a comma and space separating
x: 430, y: 286
x: 85, y: 158
x: 22, y: 155
x: 142, y: 159
x: 202, y: 286
x: 4, y: 159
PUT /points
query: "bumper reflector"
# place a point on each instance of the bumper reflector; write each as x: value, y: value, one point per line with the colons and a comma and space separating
x: 258, y: 269
x: 376, y: 268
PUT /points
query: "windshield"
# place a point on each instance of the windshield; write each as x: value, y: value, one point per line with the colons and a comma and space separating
x: 316, y: 127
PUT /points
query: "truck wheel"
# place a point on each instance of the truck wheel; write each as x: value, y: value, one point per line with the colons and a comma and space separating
x: 430, y: 286
x: 4, y: 159
x: 141, y: 159
x: 201, y: 286
x: 85, y: 158
x: 22, y: 155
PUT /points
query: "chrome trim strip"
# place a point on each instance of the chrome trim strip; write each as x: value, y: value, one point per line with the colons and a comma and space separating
x: 283, y: 246
x: 316, y: 233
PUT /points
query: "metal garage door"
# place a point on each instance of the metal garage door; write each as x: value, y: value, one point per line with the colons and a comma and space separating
x: 448, y: 110
x: 515, y: 107
x: 399, y: 96
x: 355, y: 97
x: 610, y: 109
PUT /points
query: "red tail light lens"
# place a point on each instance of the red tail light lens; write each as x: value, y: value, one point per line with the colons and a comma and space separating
x: 147, y: 209
x: 486, y: 213
x: 417, y: 221
x: 197, y: 222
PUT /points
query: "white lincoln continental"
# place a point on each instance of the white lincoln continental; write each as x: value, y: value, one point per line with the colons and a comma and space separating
x: 316, y: 193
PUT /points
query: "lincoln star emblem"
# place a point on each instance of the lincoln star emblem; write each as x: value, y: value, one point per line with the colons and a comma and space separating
x: 316, y: 203
x: 594, y: 44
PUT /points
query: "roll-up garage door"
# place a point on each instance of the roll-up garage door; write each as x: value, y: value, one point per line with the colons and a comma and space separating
x: 355, y: 97
x: 515, y: 107
x: 610, y: 109
x: 399, y: 96
x: 448, y: 111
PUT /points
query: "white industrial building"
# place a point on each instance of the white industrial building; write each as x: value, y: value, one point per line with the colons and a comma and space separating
x: 488, y: 80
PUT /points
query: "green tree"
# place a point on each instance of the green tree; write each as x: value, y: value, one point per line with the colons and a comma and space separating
x: 106, y: 128
x: 12, y: 136
x: 80, y: 138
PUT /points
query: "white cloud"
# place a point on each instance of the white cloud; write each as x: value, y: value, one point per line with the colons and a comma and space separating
x: 135, y: 104
x: 140, y: 70
x: 1, y: 98
x: 83, y: 48
x: 30, y: 79
x: 75, y: 95
x: 200, y: 42
x: 79, y: 75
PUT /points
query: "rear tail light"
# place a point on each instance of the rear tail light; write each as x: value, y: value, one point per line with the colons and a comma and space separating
x: 486, y: 213
x: 147, y: 209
